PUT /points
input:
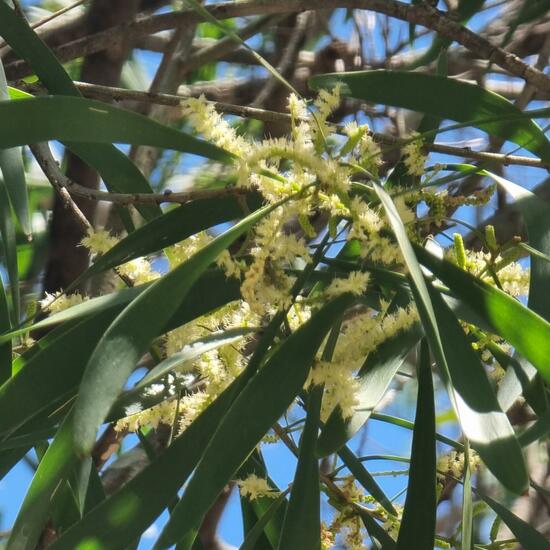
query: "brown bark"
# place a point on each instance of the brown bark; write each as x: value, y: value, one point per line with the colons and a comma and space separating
x: 67, y: 259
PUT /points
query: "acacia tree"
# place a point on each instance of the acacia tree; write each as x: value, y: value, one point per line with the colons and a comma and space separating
x: 324, y: 253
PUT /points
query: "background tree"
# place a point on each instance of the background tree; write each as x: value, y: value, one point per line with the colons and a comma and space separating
x: 357, y: 235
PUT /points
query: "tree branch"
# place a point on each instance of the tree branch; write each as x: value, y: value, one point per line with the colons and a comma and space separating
x: 111, y: 93
x: 63, y: 184
x: 422, y: 14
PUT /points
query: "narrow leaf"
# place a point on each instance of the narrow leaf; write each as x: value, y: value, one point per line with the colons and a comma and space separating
x: 257, y: 530
x: 376, y: 531
x: 268, y: 394
x: 478, y: 410
x: 117, y: 170
x: 442, y: 97
x: 35, y: 510
x: 363, y: 477
x: 527, y: 536
x: 419, y: 515
x: 11, y: 165
x: 302, y: 525
x: 467, y: 504
x: 469, y: 389
x: 524, y: 329
x: 76, y: 119
x: 129, y: 336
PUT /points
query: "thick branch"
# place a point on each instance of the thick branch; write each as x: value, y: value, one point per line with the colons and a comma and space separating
x: 418, y: 14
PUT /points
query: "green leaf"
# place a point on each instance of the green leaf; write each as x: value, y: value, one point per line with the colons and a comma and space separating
x: 535, y: 211
x: 118, y: 172
x: 419, y: 515
x: 51, y: 375
x: 131, y: 333
x: 78, y: 312
x: 363, y: 476
x: 27, y: 440
x: 467, y: 505
x: 75, y: 119
x: 524, y: 329
x: 302, y: 525
x: 168, y: 229
x: 50, y: 371
x: 7, y: 231
x: 528, y: 537
x: 11, y: 165
x: 5, y: 348
x: 478, y: 410
x: 442, y: 97
x: 13, y: 191
x: 255, y: 510
x: 375, y: 376
x: 35, y: 510
x: 119, y: 520
x: 376, y: 531
x: 481, y: 419
x: 535, y: 215
x: 268, y: 395
x: 257, y: 530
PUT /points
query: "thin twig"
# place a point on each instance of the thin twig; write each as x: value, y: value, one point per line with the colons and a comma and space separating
x: 287, y: 60
x: 56, y: 14
x: 50, y: 17
x: 65, y: 186
x: 109, y: 93
x: 49, y: 166
x: 226, y: 45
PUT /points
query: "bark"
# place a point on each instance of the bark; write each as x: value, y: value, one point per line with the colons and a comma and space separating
x: 67, y: 260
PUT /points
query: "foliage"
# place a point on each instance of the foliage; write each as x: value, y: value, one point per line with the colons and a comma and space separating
x: 298, y: 283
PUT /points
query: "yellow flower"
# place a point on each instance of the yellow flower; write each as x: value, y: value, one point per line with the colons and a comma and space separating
x: 56, y: 302
x: 98, y: 241
x: 254, y: 487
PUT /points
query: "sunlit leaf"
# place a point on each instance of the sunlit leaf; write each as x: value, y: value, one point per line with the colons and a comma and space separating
x: 477, y: 408
x: 76, y: 119
x: 35, y: 509
x: 268, y: 394
x: 525, y: 330
x: 447, y: 98
x: 128, y: 337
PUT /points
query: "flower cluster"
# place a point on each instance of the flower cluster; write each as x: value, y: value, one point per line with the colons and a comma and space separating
x: 56, y: 302
x: 253, y: 487
x: 453, y: 464
x: 493, y: 269
x: 309, y: 175
x: 360, y: 336
x: 139, y: 271
x: 214, y: 370
x: 414, y: 157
